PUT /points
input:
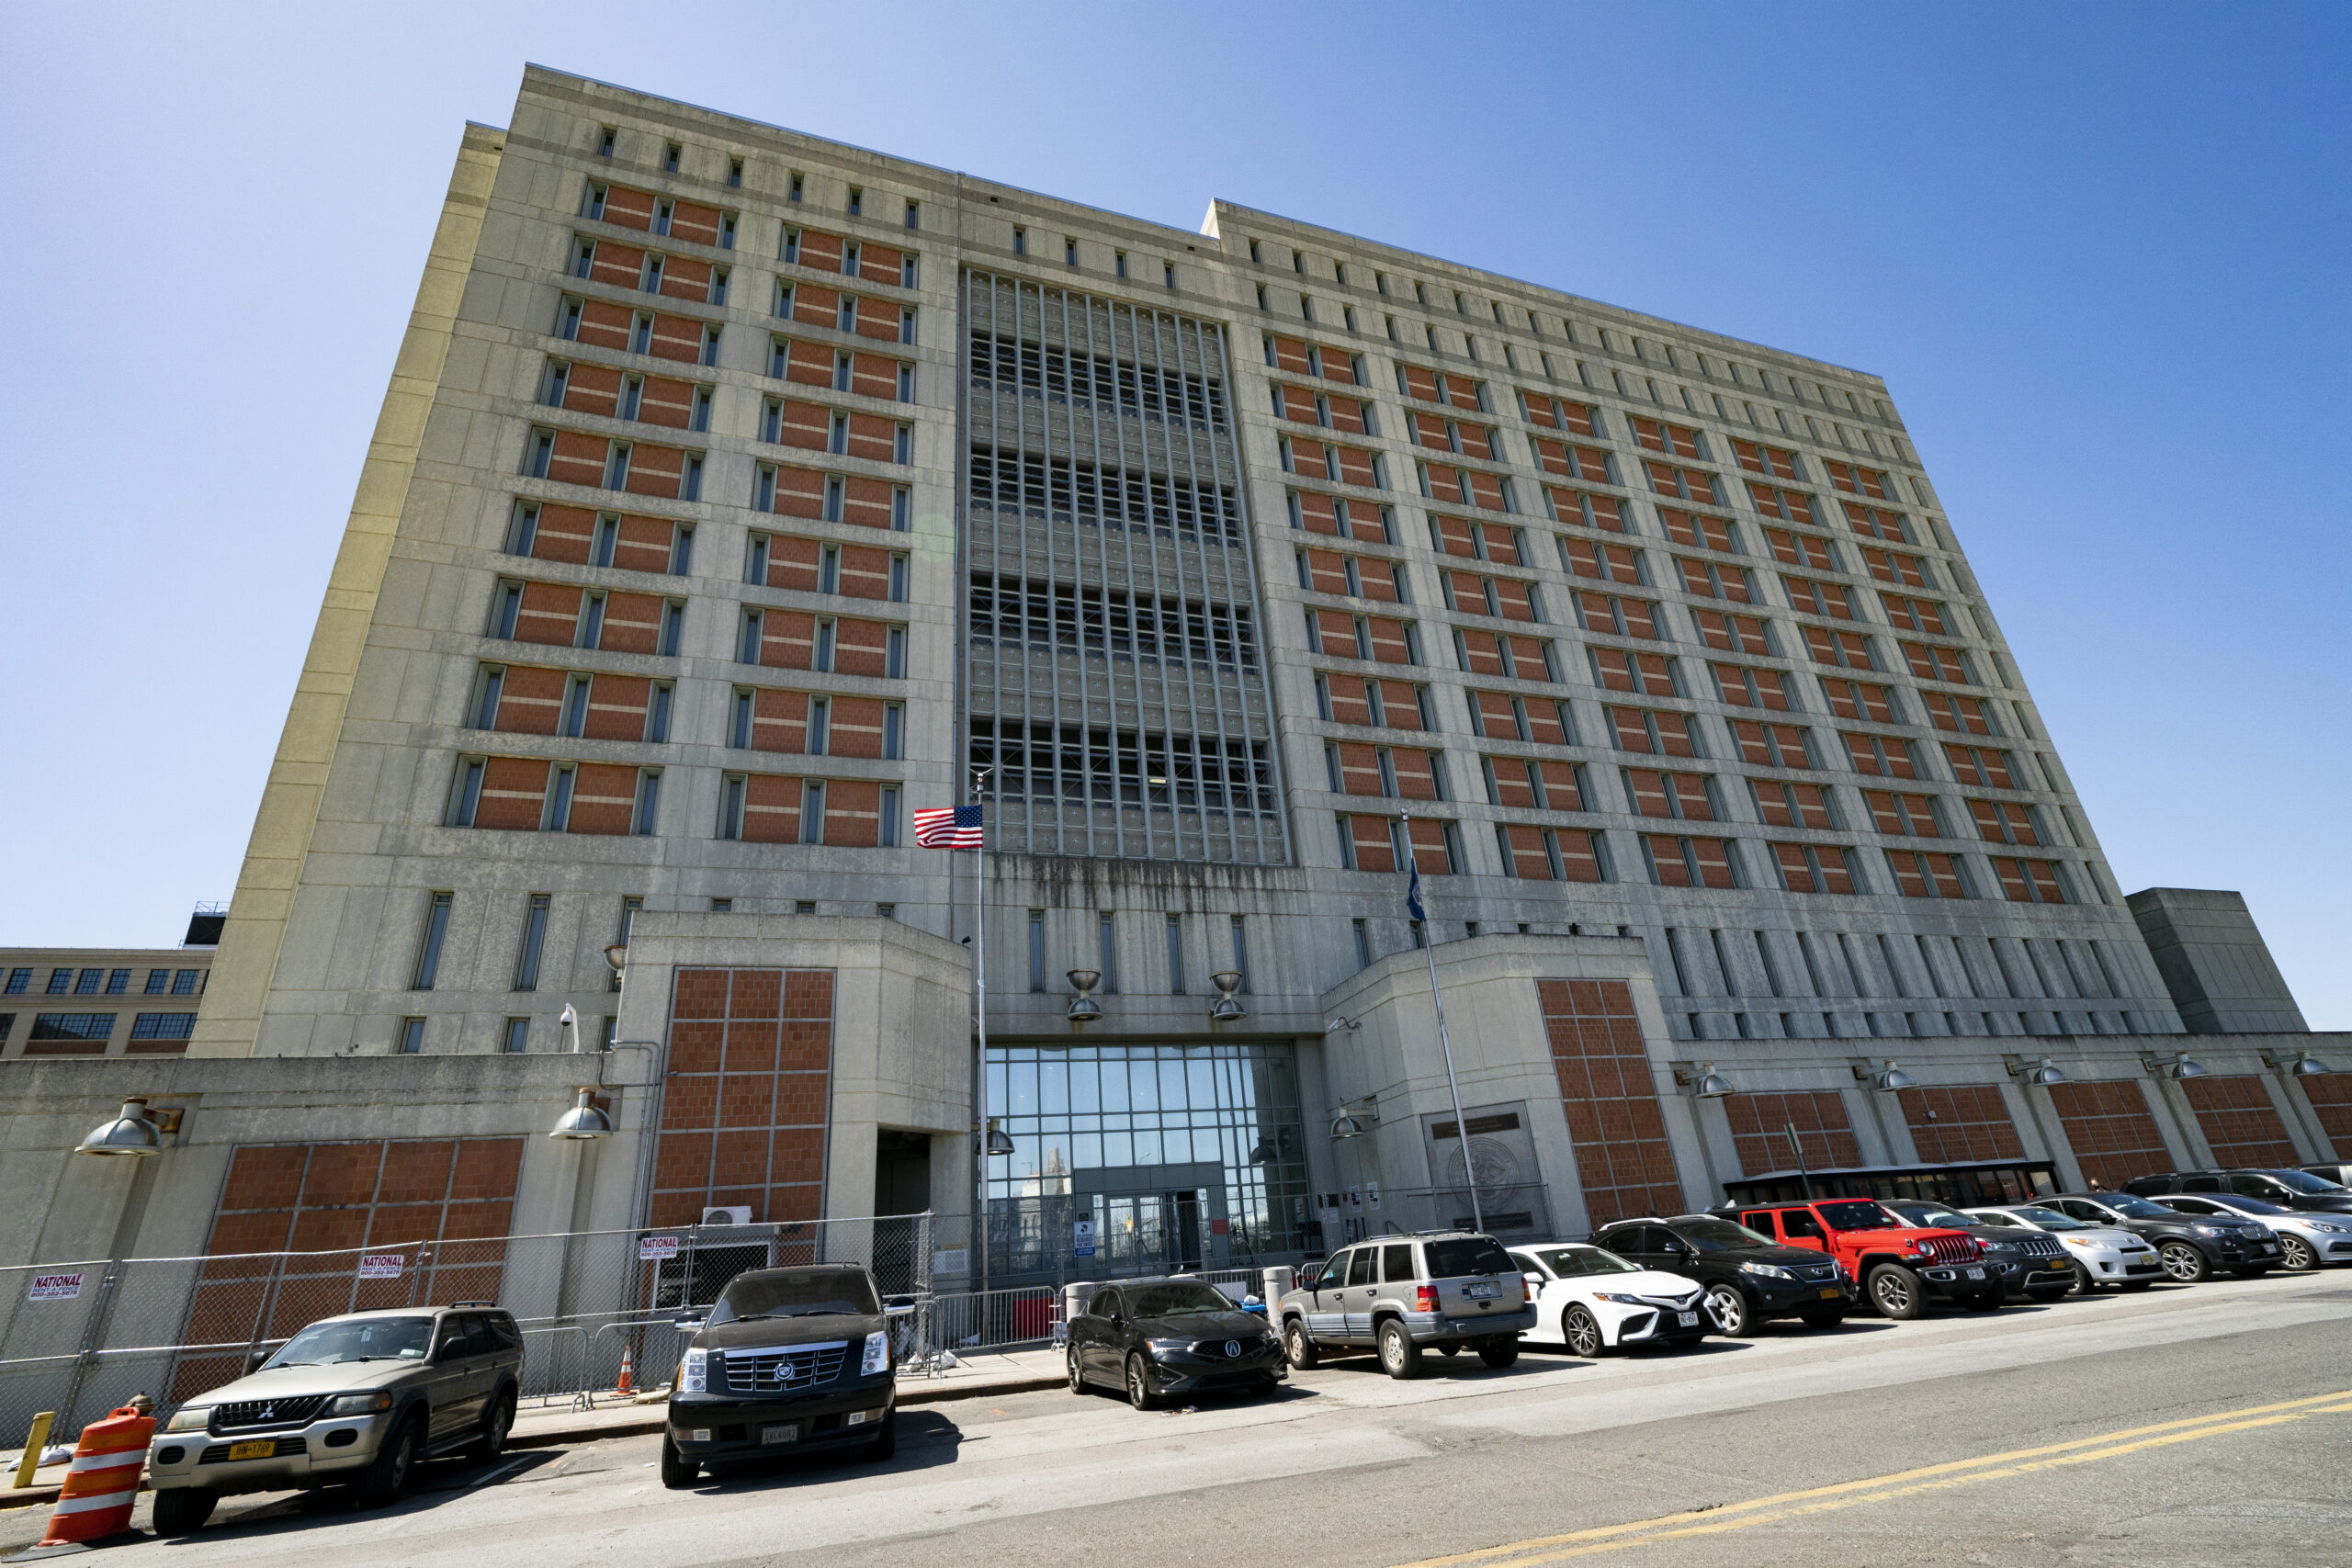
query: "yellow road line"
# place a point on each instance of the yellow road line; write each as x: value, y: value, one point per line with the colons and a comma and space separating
x: 1899, y: 1484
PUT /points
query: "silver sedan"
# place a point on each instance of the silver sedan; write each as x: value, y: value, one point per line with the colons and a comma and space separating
x: 2103, y: 1255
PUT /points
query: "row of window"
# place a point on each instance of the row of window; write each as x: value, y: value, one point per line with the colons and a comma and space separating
x: 70, y: 981
x: 1107, y: 946
x: 1069, y: 255
x: 1384, y: 845
x: 93, y: 1030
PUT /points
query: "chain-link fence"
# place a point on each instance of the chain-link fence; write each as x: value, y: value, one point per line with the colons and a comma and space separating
x: 81, y: 1337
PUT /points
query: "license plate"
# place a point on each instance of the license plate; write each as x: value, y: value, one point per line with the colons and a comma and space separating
x: 1484, y: 1291
x: 1977, y: 1273
x: 1689, y: 1319
x: 787, y: 1433
x: 2269, y: 1247
x: 262, y: 1450
x: 1831, y: 1293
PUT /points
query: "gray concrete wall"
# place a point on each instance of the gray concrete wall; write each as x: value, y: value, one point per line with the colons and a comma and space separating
x: 2214, y: 961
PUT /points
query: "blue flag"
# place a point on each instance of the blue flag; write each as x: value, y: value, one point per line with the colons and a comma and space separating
x: 1413, y: 897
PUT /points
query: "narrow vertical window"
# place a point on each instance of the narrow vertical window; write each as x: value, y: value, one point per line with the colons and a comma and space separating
x: 1037, y: 949
x: 812, y: 812
x: 887, y: 830
x: 428, y: 947
x: 857, y: 201
x: 1020, y: 241
x: 1364, y: 945
x: 1241, y: 951
x: 465, y: 793
x: 649, y: 802
x: 1106, y: 947
x: 914, y: 215
x: 558, y: 816
x: 630, y: 907
x: 670, y: 155
x: 410, y: 1041
x: 1175, y: 927
x: 799, y: 183
x: 517, y: 1037
x: 535, y: 937
x: 734, y: 171
x: 605, y: 139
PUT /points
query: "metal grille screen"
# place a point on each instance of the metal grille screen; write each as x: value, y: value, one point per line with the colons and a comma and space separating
x: 1115, y: 681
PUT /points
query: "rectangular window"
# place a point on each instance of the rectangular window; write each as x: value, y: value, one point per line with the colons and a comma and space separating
x: 886, y: 829
x: 516, y: 1038
x: 1364, y: 944
x: 1242, y: 950
x: 1106, y: 943
x: 1174, y: 926
x: 535, y: 936
x: 648, y: 801
x: 118, y: 981
x: 184, y: 983
x: 410, y: 1041
x: 812, y: 812
x: 19, y: 978
x: 428, y: 950
x: 1036, y: 935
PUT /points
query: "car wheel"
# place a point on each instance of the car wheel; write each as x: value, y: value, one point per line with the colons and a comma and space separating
x: 677, y: 1470
x: 1818, y: 1320
x: 886, y: 1441
x: 1500, y: 1351
x: 1077, y: 1378
x: 2184, y: 1262
x: 183, y: 1509
x: 1139, y: 1390
x: 2296, y: 1255
x: 1582, y: 1332
x: 1895, y: 1291
x: 389, y: 1473
x: 1399, y: 1357
x: 495, y: 1426
x: 2084, y: 1284
x: 1729, y: 1309
x: 1297, y: 1348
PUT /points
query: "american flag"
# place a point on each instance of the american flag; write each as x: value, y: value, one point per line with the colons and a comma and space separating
x: 948, y: 828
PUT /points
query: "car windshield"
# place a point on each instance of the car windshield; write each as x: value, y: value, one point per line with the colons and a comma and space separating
x: 1569, y: 1261
x: 2137, y: 1208
x: 357, y: 1339
x: 1718, y: 1236
x: 2311, y: 1186
x: 797, y: 1292
x: 1175, y: 1298
x: 1468, y: 1255
x: 1857, y: 1215
x: 1929, y: 1214
x: 2048, y: 1219
x: 2246, y: 1205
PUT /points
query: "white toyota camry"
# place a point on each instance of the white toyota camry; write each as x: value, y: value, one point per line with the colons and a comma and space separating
x: 1594, y: 1302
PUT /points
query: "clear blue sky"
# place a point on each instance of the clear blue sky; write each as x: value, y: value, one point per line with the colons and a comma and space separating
x: 2099, y: 251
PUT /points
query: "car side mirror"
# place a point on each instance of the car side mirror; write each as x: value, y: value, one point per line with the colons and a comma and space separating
x: 255, y: 1356
x: 687, y: 1323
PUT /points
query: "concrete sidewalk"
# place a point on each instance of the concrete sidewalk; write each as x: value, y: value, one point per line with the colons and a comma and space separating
x: 978, y: 1373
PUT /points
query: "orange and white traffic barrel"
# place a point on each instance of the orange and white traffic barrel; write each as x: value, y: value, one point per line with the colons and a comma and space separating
x: 103, y: 1481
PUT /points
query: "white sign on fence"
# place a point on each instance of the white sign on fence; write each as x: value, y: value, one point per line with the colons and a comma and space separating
x: 56, y: 1287
x: 382, y: 1265
x: 952, y: 1260
x: 1082, y: 1239
x: 656, y: 1247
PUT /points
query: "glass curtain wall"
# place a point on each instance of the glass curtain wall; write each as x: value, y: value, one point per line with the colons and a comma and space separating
x: 1184, y: 1157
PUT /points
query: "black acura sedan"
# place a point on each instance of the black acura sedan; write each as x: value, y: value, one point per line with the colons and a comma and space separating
x: 789, y: 1359
x: 1156, y: 1338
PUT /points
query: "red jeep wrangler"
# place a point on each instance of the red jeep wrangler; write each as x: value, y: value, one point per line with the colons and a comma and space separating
x: 1900, y: 1268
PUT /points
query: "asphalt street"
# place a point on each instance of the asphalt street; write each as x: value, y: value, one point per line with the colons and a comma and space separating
x: 2185, y: 1425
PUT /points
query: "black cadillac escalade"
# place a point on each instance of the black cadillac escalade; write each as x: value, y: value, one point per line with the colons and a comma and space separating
x: 789, y: 1359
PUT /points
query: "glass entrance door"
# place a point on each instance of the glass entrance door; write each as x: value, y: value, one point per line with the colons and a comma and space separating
x: 1152, y: 1233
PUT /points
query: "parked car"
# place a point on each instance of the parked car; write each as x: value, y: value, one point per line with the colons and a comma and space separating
x: 2103, y: 1255
x: 2287, y: 1189
x: 1442, y: 1290
x: 1595, y: 1302
x: 1902, y: 1267
x: 358, y: 1399
x: 1749, y: 1276
x: 2305, y: 1241
x: 1161, y: 1338
x: 2188, y: 1247
x: 2033, y: 1267
x: 789, y: 1359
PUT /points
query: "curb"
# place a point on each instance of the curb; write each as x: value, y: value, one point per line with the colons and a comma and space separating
x: 550, y: 1437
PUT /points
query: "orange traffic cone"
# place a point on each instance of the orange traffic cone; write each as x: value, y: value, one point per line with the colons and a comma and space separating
x: 103, y: 1481
x: 628, y: 1362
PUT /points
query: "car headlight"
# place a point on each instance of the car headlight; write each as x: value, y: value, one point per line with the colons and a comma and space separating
x: 360, y: 1404
x: 1770, y: 1270
x: 2075, y: 1241
x: 1168, y: 1347
x: 2215, y: 1230
x: 192, y: 1418
x: 877, y: 1353
x: 2329, y: 1226
x: 1619, y: 1298
x: 694, y: 1372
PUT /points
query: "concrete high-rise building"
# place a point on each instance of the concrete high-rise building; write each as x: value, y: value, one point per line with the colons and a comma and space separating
x: 739, y: 492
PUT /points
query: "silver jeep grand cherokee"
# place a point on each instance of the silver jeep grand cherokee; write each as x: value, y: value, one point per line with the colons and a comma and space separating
x: 357, y: 1399
x: 1442, y: 1290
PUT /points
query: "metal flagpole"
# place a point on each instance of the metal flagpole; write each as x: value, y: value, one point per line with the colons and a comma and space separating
x: 980, y: 1022
x: 1445, y: 1045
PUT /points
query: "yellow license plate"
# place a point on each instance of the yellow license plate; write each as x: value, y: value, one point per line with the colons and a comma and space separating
x: 262, y: 1450
x: 1831, y: 1293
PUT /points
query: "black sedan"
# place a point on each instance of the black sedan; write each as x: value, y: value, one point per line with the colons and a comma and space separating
x: 789, y: 1359
x: 1159, y: 1338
